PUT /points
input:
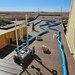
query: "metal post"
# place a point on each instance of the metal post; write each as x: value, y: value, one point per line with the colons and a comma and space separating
x: 20, y: 32
x: 16, y: 34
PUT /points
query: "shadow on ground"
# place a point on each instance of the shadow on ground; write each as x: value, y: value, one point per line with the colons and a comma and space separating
x: 48, y: 52
x: 38, y: 70
x: 6, y: 51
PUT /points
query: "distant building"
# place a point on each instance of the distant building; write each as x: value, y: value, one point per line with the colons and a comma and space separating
x: 70, y: 36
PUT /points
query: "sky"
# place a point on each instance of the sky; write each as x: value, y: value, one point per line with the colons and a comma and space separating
x: 34, y: 5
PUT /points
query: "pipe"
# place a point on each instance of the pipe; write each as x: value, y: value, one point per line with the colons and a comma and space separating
x: 60, y: 47
x: 59, y: 41
x: 30, y: 40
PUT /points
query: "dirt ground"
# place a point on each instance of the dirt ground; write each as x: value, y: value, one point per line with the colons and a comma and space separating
x: 41, y: 63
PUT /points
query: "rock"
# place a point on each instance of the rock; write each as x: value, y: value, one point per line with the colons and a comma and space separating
x: 39, y: 38
x: 45, y: 48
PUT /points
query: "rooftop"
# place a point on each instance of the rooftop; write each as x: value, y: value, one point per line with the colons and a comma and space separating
x: 41, y: 63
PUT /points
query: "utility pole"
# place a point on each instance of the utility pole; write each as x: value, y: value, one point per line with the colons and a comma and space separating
x: 38, y: 11
x: 61, y: 9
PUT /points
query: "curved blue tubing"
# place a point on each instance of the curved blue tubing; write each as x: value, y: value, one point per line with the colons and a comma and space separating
x: 63, y: 56
x: 30, y: 40
x: 60, y: 46
x: 59, y: 41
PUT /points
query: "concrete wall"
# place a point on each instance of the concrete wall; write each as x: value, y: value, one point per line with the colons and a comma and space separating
x: 70, y: 37
x: 5, y: 38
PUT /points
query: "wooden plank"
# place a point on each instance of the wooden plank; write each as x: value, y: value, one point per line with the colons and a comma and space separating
x: 2, y: 41
x: 4, y: 73
x: 5, y: 38
x: 9, y: 70
x: 10, y: 65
